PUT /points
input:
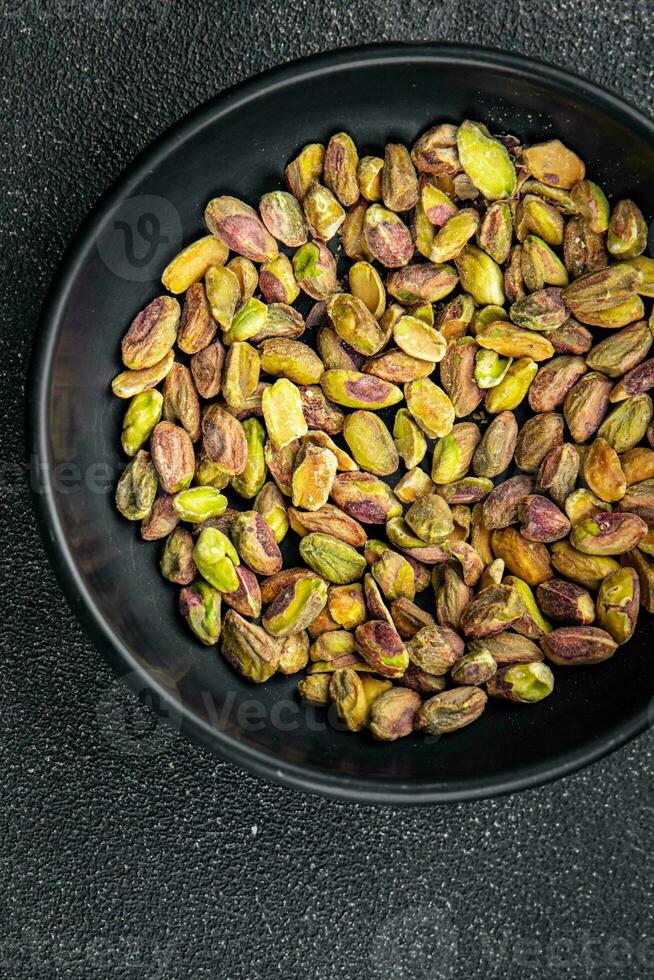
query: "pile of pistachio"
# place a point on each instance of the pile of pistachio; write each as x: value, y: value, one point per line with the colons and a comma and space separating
x: 476, y: 267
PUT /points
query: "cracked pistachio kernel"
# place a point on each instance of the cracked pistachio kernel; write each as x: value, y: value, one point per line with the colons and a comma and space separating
x: 248, y: 322
x: 269, y: 502
x: 409, y: 439
x: 215, y: 557
x: 627, y: 231
x: 430, y: 407
x: 356, y: 390
x: 250, y: 480
x: 369, y: 176
x: 347, y: 605
x: 400, y: 534
x: 490, y: 368
x: 314, y: 688
x: 200, y: 605
x: 371, y: 443
x: 247, y: 275
x: 282, y: 412
x: 192, y: 263
x: 474, y: 668
x: 645, y: 268
x: 366, y: 285
x: 451, y: 238
x: 315, y: 270
x: 618, y: 600
x: 527, y: 560
x: 381, y: 646
x: 457, y: 373
x: 143, y: 413
x: 387, y: 238
x: 507, y: 395
x: 430, y: 518
x: 295, y: 653
x: 292, y: 359
x: 323, y: 212
x: 608, y: 534
x: 277, y: 281
x: 453, y: 453
x: 305, y: 170
x: 335, y: 560
x: 414, y: 484
x: 239, y: 227
x: 480, y: 276
x: 199, y: 503
x: 424, y: 282
x: 313, y: 476
x: 241, y: 374
x: 419, y: 339
x: 340, y: 168
x: 422, y: 230
x: 438, y: 207
x: 525, y: 683
x: 284, y: 218
x: 355, y: 324
x: 532, y: 623
x: 394, y: 575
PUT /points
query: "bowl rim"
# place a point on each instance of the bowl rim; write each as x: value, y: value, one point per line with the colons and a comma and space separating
x: 336, y: 786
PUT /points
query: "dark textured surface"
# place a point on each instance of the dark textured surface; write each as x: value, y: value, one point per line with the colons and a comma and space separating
x: 127, y: 852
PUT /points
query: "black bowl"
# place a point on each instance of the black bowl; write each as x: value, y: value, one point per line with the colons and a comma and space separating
x: 238, y: 143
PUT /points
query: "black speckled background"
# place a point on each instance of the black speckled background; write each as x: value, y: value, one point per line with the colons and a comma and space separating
x: 127, y: 852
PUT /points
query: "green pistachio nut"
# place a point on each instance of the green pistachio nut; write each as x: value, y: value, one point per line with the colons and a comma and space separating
x: 283, y: 217
x: 313, y: 476
x: 627, y: 231
x: 371, y: 443
x: 239, y: 227
x: 409, y: 440
x: 452, y: 237
x: 143, y: 413
x: 176, y: 562
x: 269, y: 502
x: 399, y: 187
x: 191, y: 264
x: 591, y: 203
x: 387, y: 238
x: 353, y: 389
x: 454, y: 452
x: 507, y: 395
x: 335, y: 560
x: 355, y: 324
x: 430, y: 407
x: 200, y: 605
x: 480, y: 276
x: 618, y: 600
x: 295, y: 607
x: 130, y: 383
x: 223, y: 294
x: 486, y: 161
x: 215, y: 557
x: 282, y: 412
x: 474, y: 668
x: 394, y: 576
x: 249, y: 649
x: 495, y: 232
x: 250, y: 480
x: 198, y: 504
x: 381, y: 646
x: 490, y: 368
x: 525, y: 683
x: 277, y: 281
x: 151, y: 334
x: 323, y: 212
x: 255, y: 543
x: 137, y: 487
x: 305, y: 170
x: 315, y: 270
x: 451, y: 710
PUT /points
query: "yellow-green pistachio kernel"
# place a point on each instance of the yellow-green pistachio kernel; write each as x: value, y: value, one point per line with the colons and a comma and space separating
x: 486, y: 161
x: 355, y: 324
x: 191, y: 264
x: 371, y: 443
x: 282, y: 412
x: 284, y: 218
x: 430, y: 407
x: 409, y: 439
x: 250, y: 480
x: 335, y: 560
x: 199, y: 503
x: 269, y: 502
x: 215, y: 557
x: 627, y: 232
x: 366, y: 285
x: 480, y: 276
x: 143, y: 413
x: 305, y: 170
x: 223, y: 294
x: 508, y: 394
x: 323, y: 212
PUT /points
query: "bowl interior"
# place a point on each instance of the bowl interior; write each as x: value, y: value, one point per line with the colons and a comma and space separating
x: 239, y: 144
